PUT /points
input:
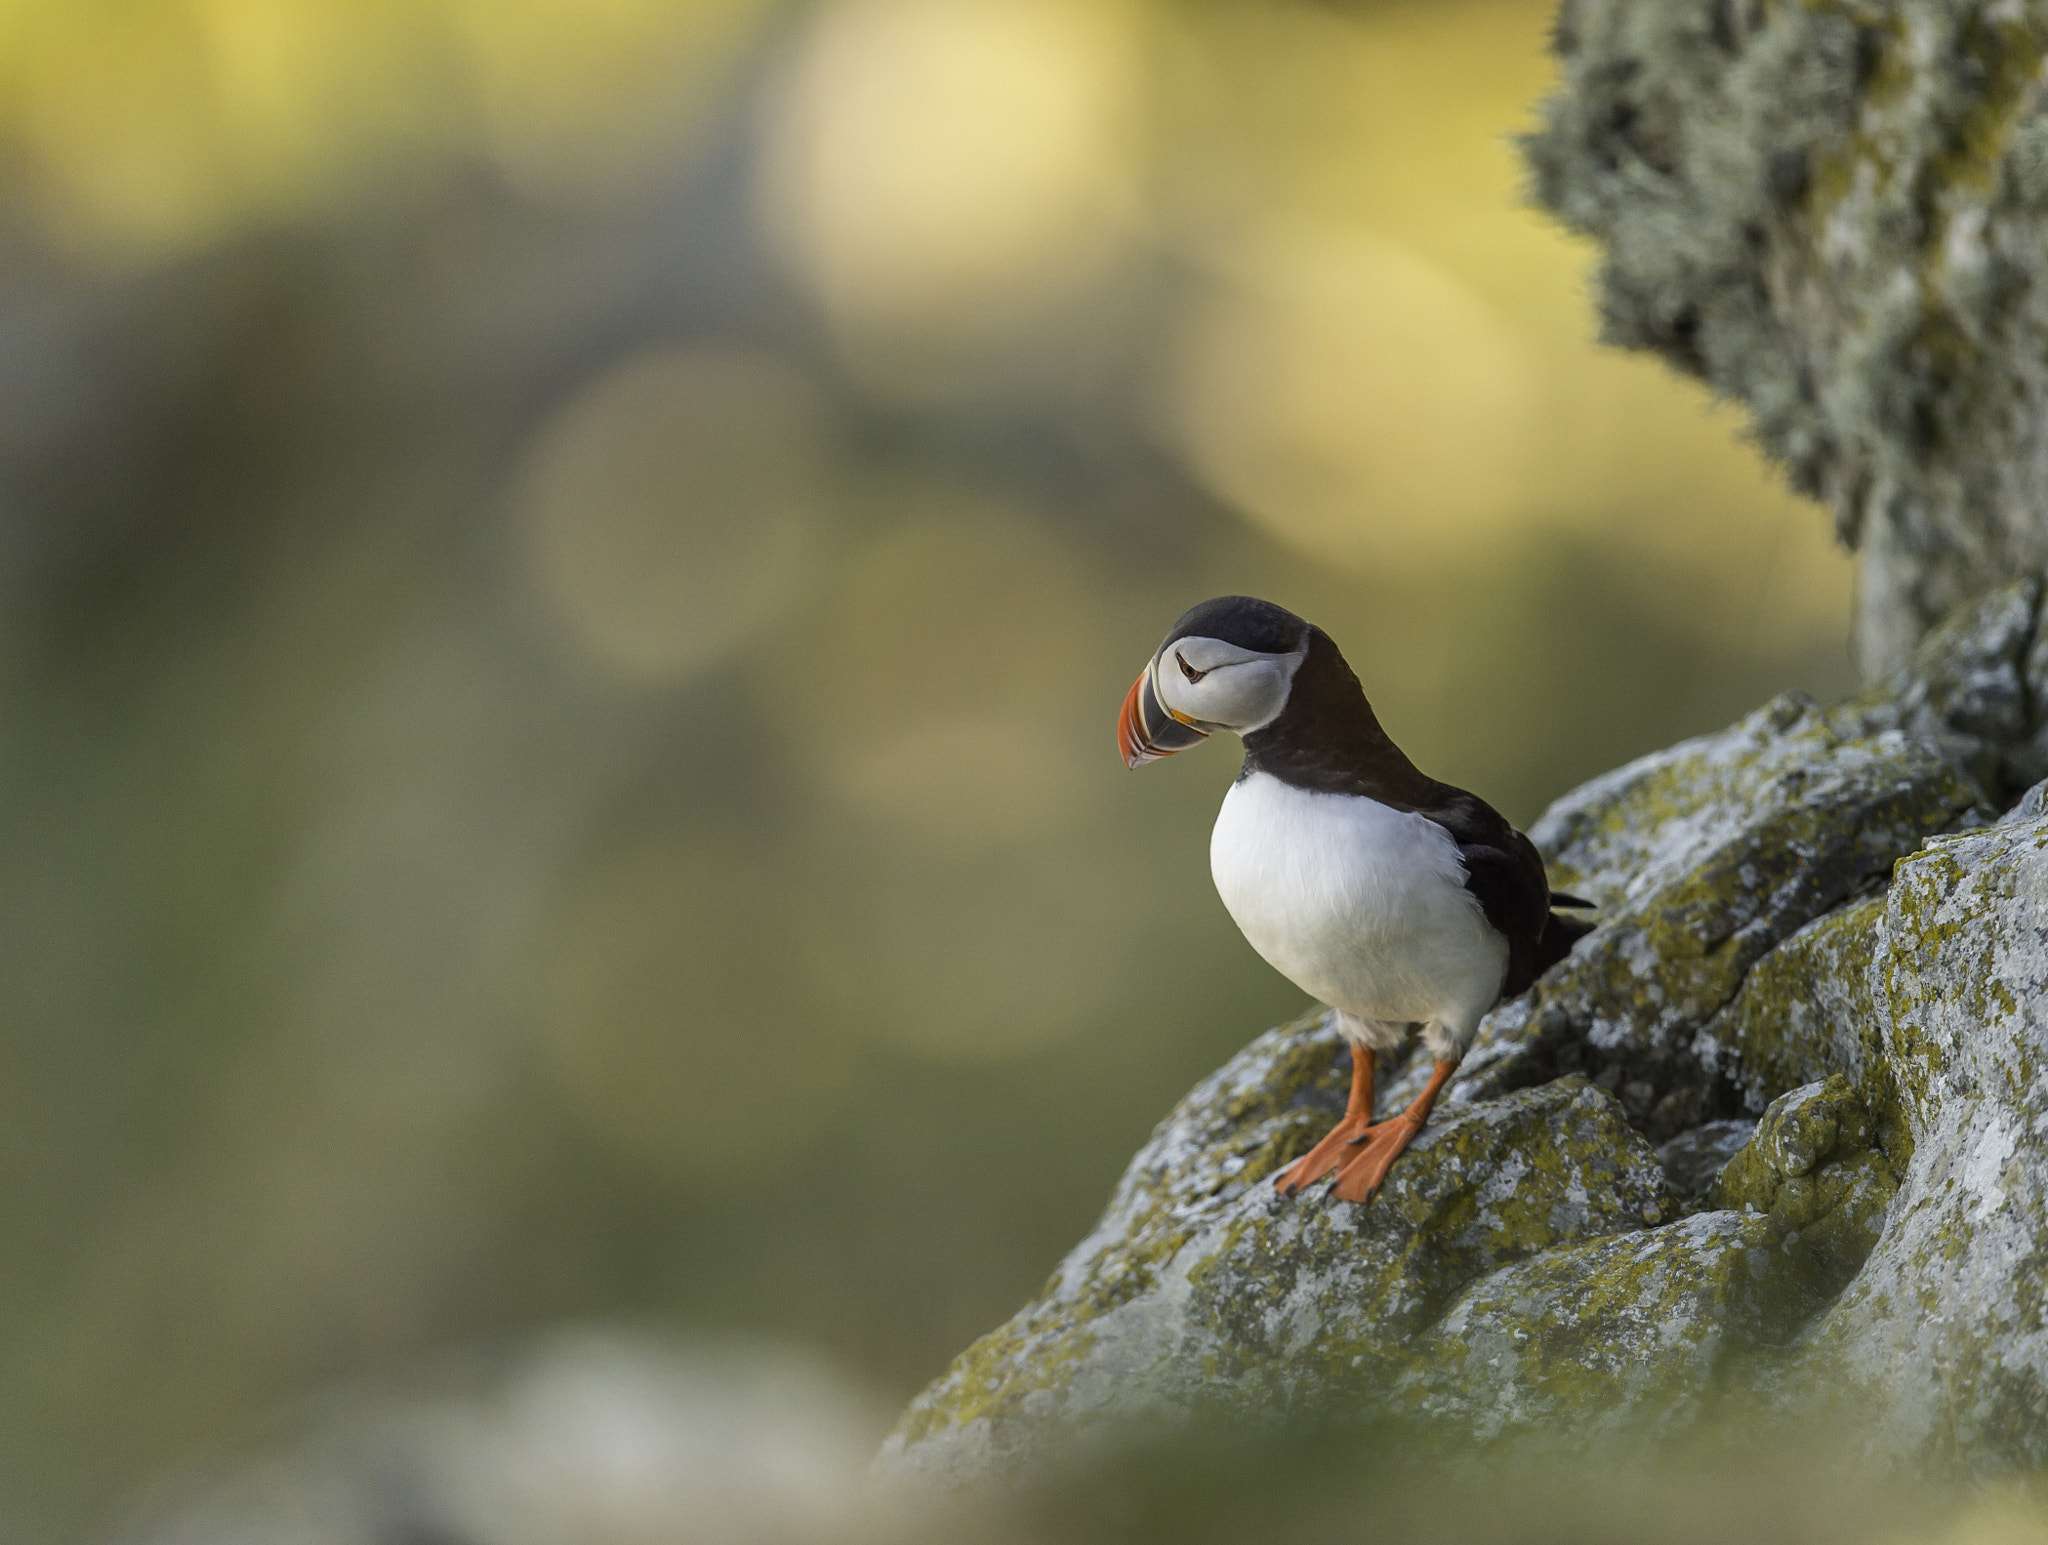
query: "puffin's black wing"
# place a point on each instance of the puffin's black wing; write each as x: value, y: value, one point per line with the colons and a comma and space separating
x: 1504, y: 872
x: 1517, y: 908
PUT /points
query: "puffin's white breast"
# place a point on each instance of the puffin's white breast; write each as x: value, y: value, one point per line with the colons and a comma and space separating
x: 1358, y: 904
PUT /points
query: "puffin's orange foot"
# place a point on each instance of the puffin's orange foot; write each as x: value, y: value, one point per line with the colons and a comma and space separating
x: 1332, y: 1151
x: 1361, y: 1177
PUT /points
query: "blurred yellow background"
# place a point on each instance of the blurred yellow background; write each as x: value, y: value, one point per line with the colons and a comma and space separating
x: 568, y: 573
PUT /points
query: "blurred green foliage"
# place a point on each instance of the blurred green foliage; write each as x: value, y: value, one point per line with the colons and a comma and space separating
x: 568, y: 573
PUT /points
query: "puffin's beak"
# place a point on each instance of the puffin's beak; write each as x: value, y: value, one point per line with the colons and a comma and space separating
x: 1145, y: 731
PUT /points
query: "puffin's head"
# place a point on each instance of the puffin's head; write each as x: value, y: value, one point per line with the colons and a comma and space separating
x: 1227, y: 665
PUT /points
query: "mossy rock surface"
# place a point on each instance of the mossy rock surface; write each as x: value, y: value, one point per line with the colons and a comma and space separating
x: 1945, y: 1328
x: 1621, y: 1335
x: 1535, y: 1269
x: 1706, y: 857
x: 1205, y: 1291
x: 1807, y: 1009
x: 1835, y: 212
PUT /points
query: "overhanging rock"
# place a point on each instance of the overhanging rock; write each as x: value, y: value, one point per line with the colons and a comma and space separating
x: 1837, y: 214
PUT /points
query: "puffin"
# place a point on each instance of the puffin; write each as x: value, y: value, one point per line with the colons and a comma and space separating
x: 1397, y: 900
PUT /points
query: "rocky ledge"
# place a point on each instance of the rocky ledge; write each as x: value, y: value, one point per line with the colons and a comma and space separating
x: 1773, y: 1132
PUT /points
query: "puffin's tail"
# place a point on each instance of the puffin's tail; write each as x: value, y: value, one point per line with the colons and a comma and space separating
x: 1560, y: 933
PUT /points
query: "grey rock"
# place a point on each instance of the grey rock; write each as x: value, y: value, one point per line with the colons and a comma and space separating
x: 583, y: 1438
x: 1801, y: 1131
x: 1204, y: 1291
x: 1694, y: 1159
x: 1971, y: 687
x: 2031, y: 805
x: 1820, y: 1170
x: 1944, y: 1331
x: 1614, y: 1338
x: 1835, y: 214
x: 1534, y: 1267
x: 1805, y: 1010
x: 1705, y: 857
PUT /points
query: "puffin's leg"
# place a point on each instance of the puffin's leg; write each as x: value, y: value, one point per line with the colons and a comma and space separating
x: 1330, y: 1152
x: 1361, y: 1178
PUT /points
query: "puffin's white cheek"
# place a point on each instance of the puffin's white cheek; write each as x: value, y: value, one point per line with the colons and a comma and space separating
x: 1175, y: 692
x: 1243, y: 696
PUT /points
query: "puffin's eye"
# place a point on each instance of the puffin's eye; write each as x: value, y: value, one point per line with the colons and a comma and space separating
x: 1186, y: 669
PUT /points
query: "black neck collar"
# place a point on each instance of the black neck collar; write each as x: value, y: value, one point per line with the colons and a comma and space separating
x: 1327, y: 740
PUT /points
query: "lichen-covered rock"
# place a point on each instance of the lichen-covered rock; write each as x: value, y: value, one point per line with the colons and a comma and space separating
x: 1707, y: 856
x: 1805, y: 1011
x: 1204, y: 1290
x: 1731, y: 843
x: 1819, y: 1171
x: 1694, y: 1159
x: 1945, y: 1328
x: 1618, y: 1336
x: 1836, y: 212
x: 1799, y: 1130
x: 1351, y: 1286
x: 1808, y: 1007
x: 1704, y: 858
x: 1533, y: 1264
x: 1972, y: 687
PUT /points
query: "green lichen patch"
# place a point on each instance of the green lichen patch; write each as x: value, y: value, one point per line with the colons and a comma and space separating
x: 1805, y: 1011
x: 1706, y: 857
x: 1813, y: 1172
x: 1305, y: 1303
x: 1623, y: 1334
x: 1961, y: 970
x: 1803, y: 1128
x: 1944, y: 1330
x: 1188, y: 1297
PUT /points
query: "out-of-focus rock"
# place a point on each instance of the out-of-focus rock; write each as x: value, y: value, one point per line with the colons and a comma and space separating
x: 587, y: 1439
x: 1838, y: 214
x: 1534, y: 1267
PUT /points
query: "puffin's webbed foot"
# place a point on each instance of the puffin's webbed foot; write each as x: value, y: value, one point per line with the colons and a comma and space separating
x: 1333, y: 1151
x: 1365, y: 1170
x: 1330, y: 1152
x: 1361, y: 1178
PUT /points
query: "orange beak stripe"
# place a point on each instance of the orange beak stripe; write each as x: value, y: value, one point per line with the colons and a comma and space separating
x: 1145, y: 731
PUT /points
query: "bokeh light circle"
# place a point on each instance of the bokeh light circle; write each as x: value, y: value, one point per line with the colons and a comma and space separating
x: 1353, y: 399
x: 937, y: 691
x: 668, y: 508
x: 937, y: 171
